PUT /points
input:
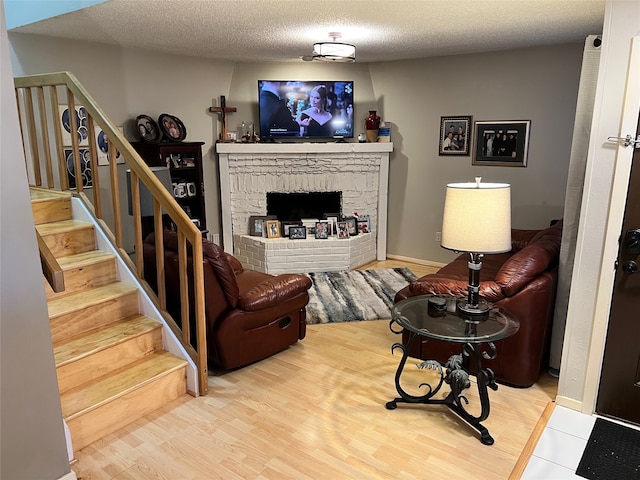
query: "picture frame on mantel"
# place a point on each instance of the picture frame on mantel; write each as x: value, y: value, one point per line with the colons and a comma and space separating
x: 455, y: 135
x: 502, y: 143
x: 257, y: 224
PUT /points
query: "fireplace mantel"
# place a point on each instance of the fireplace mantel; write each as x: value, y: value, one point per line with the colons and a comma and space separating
x: 362, y: 169
x: 336, y: 147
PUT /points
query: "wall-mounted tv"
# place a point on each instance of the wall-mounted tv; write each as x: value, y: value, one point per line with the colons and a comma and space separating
x: 305, y: 109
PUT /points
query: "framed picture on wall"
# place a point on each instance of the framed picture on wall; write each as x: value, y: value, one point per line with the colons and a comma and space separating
x: 85, y: 168
x: 103, y: 147
x: 502, y: 143
x: 81, y: 125
x: 455, y: 135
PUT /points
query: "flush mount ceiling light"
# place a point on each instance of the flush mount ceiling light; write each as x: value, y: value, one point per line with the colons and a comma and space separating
x: 334, y: 51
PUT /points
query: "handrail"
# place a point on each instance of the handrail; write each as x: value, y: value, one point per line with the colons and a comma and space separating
x: 50, y: 266
x: 37, y: 145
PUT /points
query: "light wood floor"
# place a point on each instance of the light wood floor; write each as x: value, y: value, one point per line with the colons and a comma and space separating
x: 317, y: 411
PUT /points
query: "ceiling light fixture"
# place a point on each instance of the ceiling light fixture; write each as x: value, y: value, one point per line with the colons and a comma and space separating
x: 334, y: 51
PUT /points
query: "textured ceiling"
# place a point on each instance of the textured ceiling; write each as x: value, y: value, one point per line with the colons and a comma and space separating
x: 284, y: 30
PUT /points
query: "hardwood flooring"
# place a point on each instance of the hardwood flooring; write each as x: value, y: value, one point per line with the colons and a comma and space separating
x: 317, y: 411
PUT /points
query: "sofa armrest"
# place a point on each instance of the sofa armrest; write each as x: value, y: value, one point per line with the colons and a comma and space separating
x: 236, y: 266
x: 273, y: 291
x: 526, y: 265
x: 435, y: 285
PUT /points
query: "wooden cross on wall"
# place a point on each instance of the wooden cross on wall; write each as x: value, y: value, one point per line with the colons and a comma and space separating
x: 222, y: 110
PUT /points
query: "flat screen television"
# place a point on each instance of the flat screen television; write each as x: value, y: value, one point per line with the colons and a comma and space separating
x: 305, y: 109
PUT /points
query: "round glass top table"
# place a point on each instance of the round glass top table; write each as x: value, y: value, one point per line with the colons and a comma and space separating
x: 437, y: 317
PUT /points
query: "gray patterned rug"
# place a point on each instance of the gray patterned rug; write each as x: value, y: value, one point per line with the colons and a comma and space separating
x: 354, y: 295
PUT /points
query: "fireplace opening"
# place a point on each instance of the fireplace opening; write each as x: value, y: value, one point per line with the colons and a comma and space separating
x: 294, y: 206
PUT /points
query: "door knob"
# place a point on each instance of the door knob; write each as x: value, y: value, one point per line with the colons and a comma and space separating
x: 630, y: 267
x: 632, y: 241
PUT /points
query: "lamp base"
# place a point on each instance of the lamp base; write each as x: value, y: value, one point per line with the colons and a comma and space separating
x: 473, y: 313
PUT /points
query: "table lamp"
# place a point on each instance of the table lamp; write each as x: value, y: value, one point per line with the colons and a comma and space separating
x: 477, y: 220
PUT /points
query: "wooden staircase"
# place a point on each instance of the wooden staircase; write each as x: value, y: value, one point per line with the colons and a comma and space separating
x: 109, y: 359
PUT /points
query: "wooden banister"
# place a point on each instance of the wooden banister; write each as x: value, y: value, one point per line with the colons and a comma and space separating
x: 41, y: 123
x: 50, y: 266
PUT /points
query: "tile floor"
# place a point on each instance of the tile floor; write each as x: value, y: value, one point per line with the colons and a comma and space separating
x: 560, y: 447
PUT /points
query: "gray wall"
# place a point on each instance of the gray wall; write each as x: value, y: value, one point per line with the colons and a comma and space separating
x: 130, y: 82
x: 31, y: 433
x: 538, y: 84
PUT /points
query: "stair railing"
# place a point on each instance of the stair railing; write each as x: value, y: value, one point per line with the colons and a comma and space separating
x: 50, y: 266
x: 40, y: 120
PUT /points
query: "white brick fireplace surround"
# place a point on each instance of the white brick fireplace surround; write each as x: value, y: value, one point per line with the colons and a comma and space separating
x: 248, y: 171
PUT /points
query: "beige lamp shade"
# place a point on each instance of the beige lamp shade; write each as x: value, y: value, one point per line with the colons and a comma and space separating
x: 477, y: 217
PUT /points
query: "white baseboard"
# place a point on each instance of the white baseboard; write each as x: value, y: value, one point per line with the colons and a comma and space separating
x: 418, y: 261
x: 69, y: 476
x: 569, y: 403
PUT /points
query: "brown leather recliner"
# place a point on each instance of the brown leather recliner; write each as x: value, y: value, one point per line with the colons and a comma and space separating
x: 249, y: 315
x: 524, y: 282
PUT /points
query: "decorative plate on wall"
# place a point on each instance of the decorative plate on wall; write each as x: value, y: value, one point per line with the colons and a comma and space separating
x: 148, y: 128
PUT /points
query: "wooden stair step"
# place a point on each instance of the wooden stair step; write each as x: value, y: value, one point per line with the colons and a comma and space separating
x: 101, y: 351
x: 86, y: 310
x: 85, y: 270
x: 94, y: 410
x: 104, y: 389
x: 68, y: 237
x: 50, y: 206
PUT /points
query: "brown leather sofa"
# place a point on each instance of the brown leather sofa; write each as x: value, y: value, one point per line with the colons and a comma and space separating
x: 524, y: 282
x: 249, y: 315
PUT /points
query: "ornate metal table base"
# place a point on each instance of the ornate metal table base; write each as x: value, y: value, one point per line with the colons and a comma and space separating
x: 457, y: 377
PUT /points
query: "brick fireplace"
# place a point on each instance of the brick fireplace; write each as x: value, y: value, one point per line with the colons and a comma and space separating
x: 248, y: 172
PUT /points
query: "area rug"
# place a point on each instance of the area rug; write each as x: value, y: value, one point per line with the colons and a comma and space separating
x: 354, y: 295
x: 612, y: 452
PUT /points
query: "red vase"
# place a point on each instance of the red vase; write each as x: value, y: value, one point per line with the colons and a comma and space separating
x: 372, y: 122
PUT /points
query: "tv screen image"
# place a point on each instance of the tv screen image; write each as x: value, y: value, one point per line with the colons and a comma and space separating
x: 305, y: 109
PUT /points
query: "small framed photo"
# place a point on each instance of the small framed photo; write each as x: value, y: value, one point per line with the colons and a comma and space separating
x: 455, y: 135
x: 352, y: 225
x: 504, y: 143
x: 322, y: 229
x: 256, y: 224
x: 309, y: 222
x: 332, y: 220
x: 343, y: 230
x: 273, y: 228
x: 148, y: 128
x: 364, y: 224
x: 172, y: 127
x: 297, y: 232
x: 287, y: 225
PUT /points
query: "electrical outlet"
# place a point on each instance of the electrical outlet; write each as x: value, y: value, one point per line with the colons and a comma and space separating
x: 438, y: 236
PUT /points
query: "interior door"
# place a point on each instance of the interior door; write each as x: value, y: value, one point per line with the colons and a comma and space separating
x: 619, y: 393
